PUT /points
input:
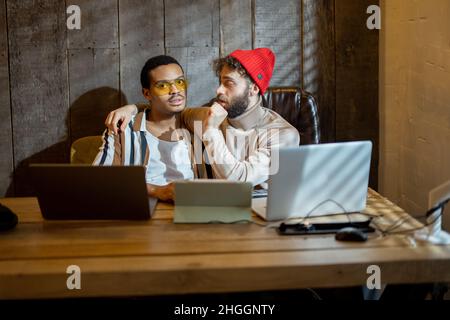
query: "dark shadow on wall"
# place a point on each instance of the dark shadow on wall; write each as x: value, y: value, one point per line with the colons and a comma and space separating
x: 86, y: 117
x: 88, y: 113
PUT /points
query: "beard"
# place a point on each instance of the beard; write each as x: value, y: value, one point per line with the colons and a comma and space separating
x: 237, y: 105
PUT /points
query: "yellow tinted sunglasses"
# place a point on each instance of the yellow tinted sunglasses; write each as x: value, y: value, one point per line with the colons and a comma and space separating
x: 162, y: 88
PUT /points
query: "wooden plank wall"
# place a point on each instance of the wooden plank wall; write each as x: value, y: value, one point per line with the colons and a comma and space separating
x: 357, y: 78
x: 319, y: 65
x: 276, y: 25
x: 340, y: 68
x: 194, y: 47
x: 38, y: 84
x: 93, y: 59
x: 141, y: 36
x: 239, y: 34
x: 59, y: 84
x: 6, y: 152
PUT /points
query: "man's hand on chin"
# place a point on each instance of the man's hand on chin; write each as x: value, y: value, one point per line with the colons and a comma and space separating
x: 216, y: 115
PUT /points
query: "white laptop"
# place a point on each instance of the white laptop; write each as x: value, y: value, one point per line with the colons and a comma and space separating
x: 315, y: 180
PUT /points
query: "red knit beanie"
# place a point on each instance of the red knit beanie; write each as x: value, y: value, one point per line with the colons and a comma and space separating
x: 258, y: 63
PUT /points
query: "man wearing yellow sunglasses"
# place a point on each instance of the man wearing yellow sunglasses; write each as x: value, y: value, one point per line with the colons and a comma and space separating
x: 151, y: 137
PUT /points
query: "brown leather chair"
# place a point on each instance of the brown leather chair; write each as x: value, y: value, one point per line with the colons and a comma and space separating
x: 299, y: 108
x: 84, y: 150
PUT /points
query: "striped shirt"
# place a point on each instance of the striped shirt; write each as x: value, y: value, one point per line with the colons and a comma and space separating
x: 137, y: 146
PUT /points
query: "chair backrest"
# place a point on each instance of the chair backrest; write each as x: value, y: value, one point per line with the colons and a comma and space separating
x: 299, y: 108
x: 84, y: 150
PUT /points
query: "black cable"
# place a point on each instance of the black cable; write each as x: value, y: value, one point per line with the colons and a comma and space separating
x: 326, y: 215
x: 440, y: 205
x: 389, y: 230
x: 308, y: 215
x: 231, y: 222
x: 395, y: 225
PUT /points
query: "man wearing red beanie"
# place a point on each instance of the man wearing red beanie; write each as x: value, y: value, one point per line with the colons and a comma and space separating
x: 239, y: 134
x: 244, y: 77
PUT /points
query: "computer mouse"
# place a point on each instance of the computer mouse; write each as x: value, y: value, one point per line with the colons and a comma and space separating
x: 8, y: 219
x: 351, y: 234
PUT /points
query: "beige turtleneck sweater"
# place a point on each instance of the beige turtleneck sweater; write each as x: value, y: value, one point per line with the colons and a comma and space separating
x: 241, y: 148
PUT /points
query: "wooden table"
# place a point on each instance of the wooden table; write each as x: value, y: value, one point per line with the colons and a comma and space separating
x: 157, y: 257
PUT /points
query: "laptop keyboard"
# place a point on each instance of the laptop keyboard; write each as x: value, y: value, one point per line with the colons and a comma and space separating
x: 259, y: 193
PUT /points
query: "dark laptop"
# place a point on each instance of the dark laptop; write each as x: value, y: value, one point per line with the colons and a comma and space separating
x: 85, y: 192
